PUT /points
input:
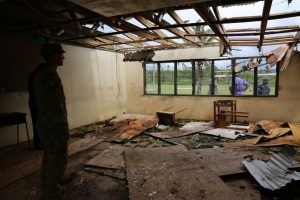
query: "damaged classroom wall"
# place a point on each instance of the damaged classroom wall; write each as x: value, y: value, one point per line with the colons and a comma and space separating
x: 93, y: 87
x: 281, y: 108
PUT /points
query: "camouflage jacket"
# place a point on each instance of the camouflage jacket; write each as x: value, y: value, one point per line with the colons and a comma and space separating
x: 50, y: 102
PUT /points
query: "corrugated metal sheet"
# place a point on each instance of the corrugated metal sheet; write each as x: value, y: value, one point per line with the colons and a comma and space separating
x: 272, y: 174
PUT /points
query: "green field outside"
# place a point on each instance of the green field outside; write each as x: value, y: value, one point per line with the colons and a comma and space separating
x: 187, y: 90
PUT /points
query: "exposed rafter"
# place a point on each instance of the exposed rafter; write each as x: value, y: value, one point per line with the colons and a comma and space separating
x: 154, y: 19
x: 179, y: 21
x: 205, y: 13
x: 148, y: 24
x: 264, y: 22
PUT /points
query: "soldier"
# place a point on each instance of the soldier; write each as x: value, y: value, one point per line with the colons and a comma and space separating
x: 51, y: 122
x: 263, y: 89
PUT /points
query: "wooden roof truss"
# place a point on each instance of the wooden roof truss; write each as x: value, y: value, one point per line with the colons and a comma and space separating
x: 68, y: 22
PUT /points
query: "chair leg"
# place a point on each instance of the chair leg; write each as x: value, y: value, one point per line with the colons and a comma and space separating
x: 27, y: 135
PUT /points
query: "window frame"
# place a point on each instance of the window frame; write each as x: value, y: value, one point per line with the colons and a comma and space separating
x: 193, y: 61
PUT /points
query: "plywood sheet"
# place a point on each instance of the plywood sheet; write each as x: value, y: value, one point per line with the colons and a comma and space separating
x: 187, y: 129
x: 224, y: 132
x: 131, y: 128
x: 83, y: 144
x: 288, y: 139
x: 112, y: 158
x: 274, y: 133
x: 173, y: 175
x: 226, y: 161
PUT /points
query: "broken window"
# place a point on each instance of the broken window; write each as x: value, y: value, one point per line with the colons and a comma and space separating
x: 247, y: 76
x: 223, y: 70
x: 167, y: 78
x: 266, y: 79
x: 203, y: 83
x: 151, y: 86
x: 184, y: 78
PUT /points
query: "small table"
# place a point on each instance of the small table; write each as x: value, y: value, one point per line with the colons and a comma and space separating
x: 15, y: 118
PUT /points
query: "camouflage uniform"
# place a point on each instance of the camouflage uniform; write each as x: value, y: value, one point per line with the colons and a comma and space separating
x: 53, y: 127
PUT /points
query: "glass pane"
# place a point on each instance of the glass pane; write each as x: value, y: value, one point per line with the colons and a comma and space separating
x: 244, y: 79
x: 223, y: 76
x: 266, y: 84
x: 151, y: 79
x: 167, y: 78
x: 184, y: 78
x: 202, y: 77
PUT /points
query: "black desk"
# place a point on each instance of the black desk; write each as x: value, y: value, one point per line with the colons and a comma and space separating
x: 15, y: 118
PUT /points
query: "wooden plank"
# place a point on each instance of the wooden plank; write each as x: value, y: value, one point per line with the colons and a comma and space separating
x: 258, y: 29
x: 131, y: 128
x: 189, y: 30
x: 205, y: 13
x: 175, y: 31
x: 169, y: 176
x: 82, y: 145
x: 112, y: 158
x: 146, y: 23
x: 32, y: 165
x: 264, y: 21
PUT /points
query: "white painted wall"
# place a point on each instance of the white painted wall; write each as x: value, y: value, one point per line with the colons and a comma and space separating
x: 93, y: 84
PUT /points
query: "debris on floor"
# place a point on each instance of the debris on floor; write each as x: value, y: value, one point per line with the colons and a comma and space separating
x: 187, y: 129
x: 171, y: 174
x: 226, y: 133
x: 181, y: 162
x: 125, y: 129
x: 273, y: 174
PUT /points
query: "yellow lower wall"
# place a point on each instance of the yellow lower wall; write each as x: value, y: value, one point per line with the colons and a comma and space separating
x: 285, y: 107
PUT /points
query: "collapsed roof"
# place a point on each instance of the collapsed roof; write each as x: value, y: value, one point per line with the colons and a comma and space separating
x: 131, y: 25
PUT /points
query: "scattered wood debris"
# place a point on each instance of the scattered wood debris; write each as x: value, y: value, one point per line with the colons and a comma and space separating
x: 126, y: 127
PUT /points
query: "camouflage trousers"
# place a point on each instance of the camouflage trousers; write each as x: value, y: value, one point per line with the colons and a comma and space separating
x: 55, y: 158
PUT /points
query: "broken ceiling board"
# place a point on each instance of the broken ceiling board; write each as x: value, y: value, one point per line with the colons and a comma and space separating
x: 172, y: 175
x: 295, y: 127
x: 187, y: 129
x: 274, y: 133
x: 110, y: 8
x: 32, y: 165
x: 132, y: 128
x: 112, y: 157
x: 224, y: 132
x: 283, y: 140
x: 132, y: 116
x: 83, y: 144
x: 266, y: 125
x: 227, y: 161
